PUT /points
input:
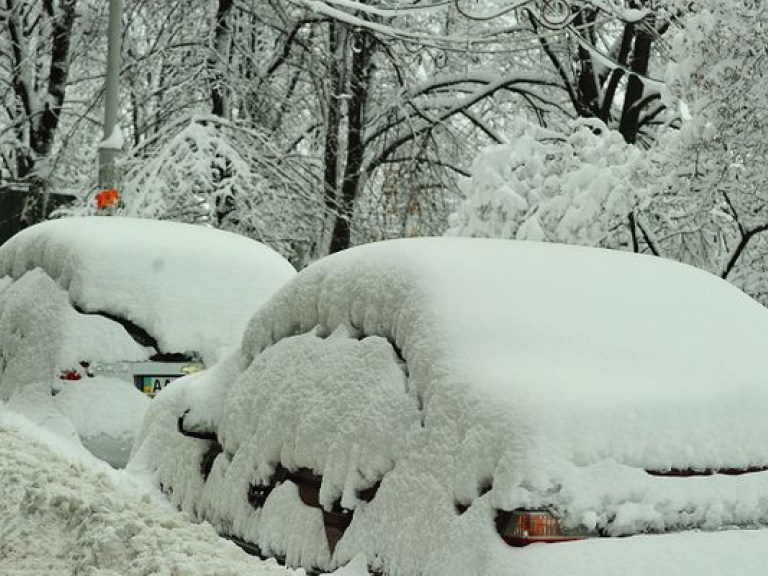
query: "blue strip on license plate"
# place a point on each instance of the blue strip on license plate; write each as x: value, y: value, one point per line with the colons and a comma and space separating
x: 151, y: 385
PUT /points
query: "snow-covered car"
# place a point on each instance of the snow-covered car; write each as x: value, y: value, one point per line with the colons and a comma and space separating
x: 430, y: 405
x: 99, y: 308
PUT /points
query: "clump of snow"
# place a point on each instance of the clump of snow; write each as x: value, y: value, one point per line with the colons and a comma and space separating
x: 532, y: 375
x: 106, y: 413
x: 114, y: 141
x: 35, y: 407
x: 345, y: 381
x: 191, y: 287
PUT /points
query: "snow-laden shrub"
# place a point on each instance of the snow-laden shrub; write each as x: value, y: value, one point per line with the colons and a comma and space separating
x: 577, y: 187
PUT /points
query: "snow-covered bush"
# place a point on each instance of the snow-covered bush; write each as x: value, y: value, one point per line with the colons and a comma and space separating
x: 697, y: 195
x: 578, y: 187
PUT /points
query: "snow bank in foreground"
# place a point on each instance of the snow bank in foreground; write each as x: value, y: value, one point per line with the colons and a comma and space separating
x: 191, y: 287
x: 60, y: 517
x: 516, y: 374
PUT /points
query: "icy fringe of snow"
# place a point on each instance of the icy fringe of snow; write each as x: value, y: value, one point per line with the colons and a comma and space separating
x: 470, y: 420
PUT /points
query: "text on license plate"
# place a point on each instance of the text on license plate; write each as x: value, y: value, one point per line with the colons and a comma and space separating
x: 151, y: 385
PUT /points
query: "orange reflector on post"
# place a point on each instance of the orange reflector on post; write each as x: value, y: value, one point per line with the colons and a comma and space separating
x: 107, y: 198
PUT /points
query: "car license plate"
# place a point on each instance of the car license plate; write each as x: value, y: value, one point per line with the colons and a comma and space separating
x: 152, y: 384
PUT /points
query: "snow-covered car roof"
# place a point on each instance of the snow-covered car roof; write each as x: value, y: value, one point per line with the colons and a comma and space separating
x: 191, y: 287
x: 457, y: 378
x: 584, y: 348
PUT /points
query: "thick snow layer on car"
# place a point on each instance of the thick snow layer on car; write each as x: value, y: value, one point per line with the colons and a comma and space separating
x: 727, y: 552
x: 310, y: 426
x: 602, y: 344
x: 488, y: 375
x: 192, y: 288
x: 60, y: 513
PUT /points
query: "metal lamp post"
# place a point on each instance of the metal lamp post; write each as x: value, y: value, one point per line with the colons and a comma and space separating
x: 111, y: 146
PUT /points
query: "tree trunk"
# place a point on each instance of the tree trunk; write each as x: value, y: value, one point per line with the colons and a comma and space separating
x: 358, y: 93
x: 217, y: 59
x: 39, y: 112
x: 333, y: 115
x: 587, y: 88
x: 630, y: 113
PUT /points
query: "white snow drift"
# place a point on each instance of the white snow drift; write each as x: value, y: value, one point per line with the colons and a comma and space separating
x: 486, y: 374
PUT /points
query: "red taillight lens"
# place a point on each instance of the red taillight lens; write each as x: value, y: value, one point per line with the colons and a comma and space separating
x: 84, y: 369
x: 523, y: 527
x: 70, y: 375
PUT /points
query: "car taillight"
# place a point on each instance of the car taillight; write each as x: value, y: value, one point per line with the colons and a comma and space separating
x: 523, y: 527
x: 84, y: 369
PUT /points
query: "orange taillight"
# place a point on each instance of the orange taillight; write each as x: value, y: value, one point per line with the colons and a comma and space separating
x: 537, y: 525
x: 523, y: 527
